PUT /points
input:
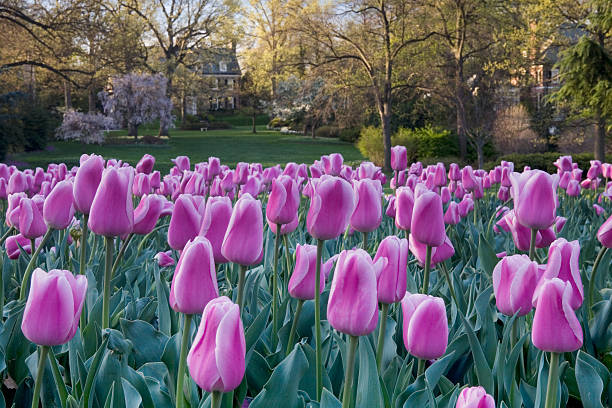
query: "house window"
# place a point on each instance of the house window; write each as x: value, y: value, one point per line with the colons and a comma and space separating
x: 226, y: 82
x: 223, y: 66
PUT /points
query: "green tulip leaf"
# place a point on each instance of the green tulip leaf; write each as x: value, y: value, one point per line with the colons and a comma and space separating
x: 368, y: 386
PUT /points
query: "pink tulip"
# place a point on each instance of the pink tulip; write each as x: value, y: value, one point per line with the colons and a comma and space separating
x: 331, y: 207
x: 302, y: 281
x: 563, y: 264
x: 425, y: 326
x: 368, y: 210
x: 145, y: 164
x: 243, y: 240
x: 52, y: 311
x: 241, y: 174
x: 438, y: 254
x: 598, y: 209
x: 58, y: 209
x: 214, y: 224
x: 353, y: 305
x: 404, y: 205
x: 147, y: 213
x: 141, y: 185
x: 454, y: 172
x: 427, y: 224
x: 391, y: 285
x: 13, y: 243
x: 284, y: 201
x: 285, y: 228
x: 564, y: 163
x: 564, y: 179
x: 86, y: 182
x: 468, y: 180
x: 399, y: 158
x: 182, y: 163
x: 555, y: 325
x: 514, y: 281
x: 214, y: 167
x: 31, y: 222
x: 475, y: 397
x: 333, y: 164
x: 164, y: 259
x: 17, y: 183
x: 535, y: 198
x: 194, y: 283
x: 216, y: 359
x: 445, y: 194
x: 573, y: 188
x: 604, y: 234
x: 440, y: 175
x: 185, y: 222
x: 452, y: 217
x: 521, y: 235
x: 112, y: 210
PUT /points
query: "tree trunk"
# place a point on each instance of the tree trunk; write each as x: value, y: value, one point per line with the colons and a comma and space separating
x: 67, y: 95
x: 460, y: 118
x: 183, y: 107
x: 91, y: 98
x: 480, y: 152
x: 253, y: 120
x: 600, y: 137
x: 312, y: 131
x: 163, y: 127
x: 385, y: 120
x: 133, y: 130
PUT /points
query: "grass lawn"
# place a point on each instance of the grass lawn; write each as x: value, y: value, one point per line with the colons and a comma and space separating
x: 231, y: 146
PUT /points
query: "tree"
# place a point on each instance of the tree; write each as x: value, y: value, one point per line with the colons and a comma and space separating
x: 138, y: 99
x: 178, y: 28
x: 254, y: 100
x: 87, y: 128
x: 375, y: 34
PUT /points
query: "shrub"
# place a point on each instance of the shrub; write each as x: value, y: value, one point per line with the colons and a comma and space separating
x: 350, y: 134
x: 86, y: 127
x: 36, y: 128
x: 370, y: 144
x: 278, y: 123
x: 543, y: 161
x: 327, y: 131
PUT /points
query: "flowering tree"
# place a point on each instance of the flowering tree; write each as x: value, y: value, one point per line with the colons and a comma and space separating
x: 85, y: 127
x: 136, y: 99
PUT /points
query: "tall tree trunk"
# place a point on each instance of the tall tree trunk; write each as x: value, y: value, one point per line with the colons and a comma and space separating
x: 480, y: 152
x: 91, y: 98
x: 67, y: 95
x: 183, y: 107
x: 600, y: 137
x: 163, y: 127
x: 253, y: 120
x: 385, y: 120
x: 460, y: 118
x: 133, y: 130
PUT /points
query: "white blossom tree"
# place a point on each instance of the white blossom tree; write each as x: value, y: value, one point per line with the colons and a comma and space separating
x: 88, y: 128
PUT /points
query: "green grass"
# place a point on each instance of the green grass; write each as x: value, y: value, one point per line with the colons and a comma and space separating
x: 231, y: 146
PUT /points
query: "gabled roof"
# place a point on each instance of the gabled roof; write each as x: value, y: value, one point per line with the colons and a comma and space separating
x: 218, y: 61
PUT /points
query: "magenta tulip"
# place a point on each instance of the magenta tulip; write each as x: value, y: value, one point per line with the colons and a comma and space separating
x: 475, y: 397
x: 216, y: 359
x: 52, y: 311
x: 184, y: 223
x: 147, y: 213
x: 145, y: 164
x: 164, y: 259
x: 425, y: 326
x: 555, y: 325
x: 391, y: 284
x: 563, y: 264
x: 514, y: 281
x: 13, y: 242
x: 194, y: 283
x: 214, y: 225
x: 331, y: 207
x: 112, y: 210
x: 31, y: 222
x: 353, y: 305
x: 58, y: 209
x: 243, y: 240
x: 404, y: 205
x: 367, y: 215
x: 604, y: 234
x: 390, y: 211
x: 452, y: 216
x: 284, y: 201
x: 427, y: 225
x: 182, y: 163
x: 302, y: 281
x: 535, y: 198
x: 399, y: 158
x: 285, y: 228
x: 438, y: 254
x: 86, y: 182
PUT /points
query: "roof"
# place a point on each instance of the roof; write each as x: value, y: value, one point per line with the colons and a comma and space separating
x: 218, y: 61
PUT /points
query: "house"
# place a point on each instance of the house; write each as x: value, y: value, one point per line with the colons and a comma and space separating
x: 221, y: 67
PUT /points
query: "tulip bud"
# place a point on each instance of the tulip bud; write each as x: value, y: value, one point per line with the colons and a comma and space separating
x: 353, y: 305
x: 31, y: 222
x: 145, y: 165
x: 475, y: 397
x: 214, y: 225
x: 563, y: 264
x: 194, y: 283
x: 555, y: 325
x: 216, y: 359
x: 427, y: 225
x: 182, y: 163
x: 112, y: 210
x: 164, y: 259
x: 86, y: 182
x: 147, y: 213
x: 391, y: 285
x: 53, y: 309
x: 404, y: 206
x: 390, y: 211
x: 185, y: 222
x: 58, y: 209
x: 368, y: 210
x: 399, y: 158
x: 514, y: 281
x: 331, y: 207
x: 535, y: 198
x: 425, y: 326
x: 452, y: 217
x: 302, y: 281
x: 243, y: 240
x: 284, y: 201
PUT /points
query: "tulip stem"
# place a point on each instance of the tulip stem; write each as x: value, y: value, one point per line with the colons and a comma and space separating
x: 241, y: 276
x: 600, y: 256
x: 348, y: 374
x: 317, y: 296
x: 365, y: 241
x: 26, y: 276
x: 532, y: 244
x: 42, y: 359
x: 83, y: 245
x: 381, y: 334
x: 296, y: 318
x: 450, y: 284
x: 275, y: 286
x: 6, y: 235
x: 180, y: 376
x: 107, y: 281
x: 420, y: 367
x: 216, y: 398
x: 33, y: 244
x: 425, y: 288
x: 553, y: 379
x: 121, y: 252
x: 288, y: 261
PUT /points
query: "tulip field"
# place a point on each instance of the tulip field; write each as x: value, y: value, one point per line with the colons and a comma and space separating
x: 305, y: 285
